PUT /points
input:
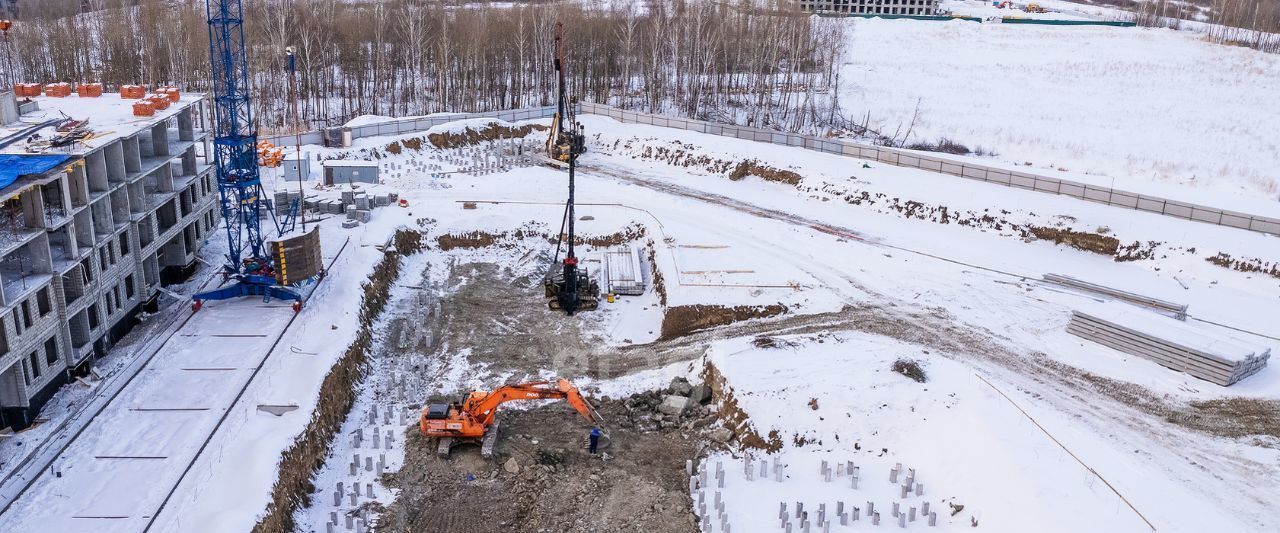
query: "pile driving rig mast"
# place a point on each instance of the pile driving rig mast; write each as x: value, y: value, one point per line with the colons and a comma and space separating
x: 567, y: 287
x: 236, y: 159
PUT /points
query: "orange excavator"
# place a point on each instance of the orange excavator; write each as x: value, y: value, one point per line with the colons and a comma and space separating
x: 475, y: 418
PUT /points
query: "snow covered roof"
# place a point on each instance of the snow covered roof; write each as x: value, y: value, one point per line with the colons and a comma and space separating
x: 110, y: 117
x: 348, y: 163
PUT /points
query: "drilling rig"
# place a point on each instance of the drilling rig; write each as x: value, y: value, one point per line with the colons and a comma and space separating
x: 568, y: 288
x: 255, y: 270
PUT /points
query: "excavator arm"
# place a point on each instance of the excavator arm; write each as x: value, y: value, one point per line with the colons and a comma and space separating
x: 483, y: 407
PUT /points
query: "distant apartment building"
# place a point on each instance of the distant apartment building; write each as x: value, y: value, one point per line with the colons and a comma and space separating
x: 89, y: 232
x: 870, y: 7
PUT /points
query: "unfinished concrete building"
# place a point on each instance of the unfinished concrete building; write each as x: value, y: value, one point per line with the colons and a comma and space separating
x: 89, y: 232
x: 871, y: 7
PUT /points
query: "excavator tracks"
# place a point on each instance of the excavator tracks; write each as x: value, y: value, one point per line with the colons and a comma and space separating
x: 490, y: 439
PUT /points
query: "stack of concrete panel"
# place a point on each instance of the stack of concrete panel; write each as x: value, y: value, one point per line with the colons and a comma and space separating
x: 1178, y: 311
x: 282, y: 203
x: 1208, y: 354
x: 364, y: 215
x: 381, y: 200
x: 362, y: 201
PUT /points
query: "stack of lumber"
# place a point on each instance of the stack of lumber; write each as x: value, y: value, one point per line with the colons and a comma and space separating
x: 1178, y: 311
x: 1200, y: 350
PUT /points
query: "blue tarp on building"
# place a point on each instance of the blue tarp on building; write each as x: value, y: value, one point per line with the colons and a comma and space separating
x: 14, y: 166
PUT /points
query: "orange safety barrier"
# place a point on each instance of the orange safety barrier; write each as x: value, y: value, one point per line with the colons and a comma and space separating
x: 132, y: 92
x: 89, y: 90
x: 57, y: 90
x: 143, y: 108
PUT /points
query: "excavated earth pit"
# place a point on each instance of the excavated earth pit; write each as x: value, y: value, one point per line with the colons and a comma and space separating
x: 542, y: 478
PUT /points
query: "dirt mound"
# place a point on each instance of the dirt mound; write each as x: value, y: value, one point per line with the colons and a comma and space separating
x: 659, y: 284
x: 910, y: 369
x: 751, y: 167
x: 633, y: 231
x: 1245, y: 264
x: 397, y: 147
x: 1089, y: 242
x: 484, y: 239
x: 684, y: 319
x: 490, y: 132
x: 469, y: 240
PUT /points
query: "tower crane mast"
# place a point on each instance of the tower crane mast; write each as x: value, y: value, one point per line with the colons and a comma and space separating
x: 236, y: 160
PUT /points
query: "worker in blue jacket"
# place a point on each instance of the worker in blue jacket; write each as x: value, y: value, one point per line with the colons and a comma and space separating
x: 594, y: 440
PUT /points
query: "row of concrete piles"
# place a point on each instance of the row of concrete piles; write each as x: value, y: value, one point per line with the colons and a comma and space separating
x: 490, y: 157
x: 796, y: 519
x: 374, y: 440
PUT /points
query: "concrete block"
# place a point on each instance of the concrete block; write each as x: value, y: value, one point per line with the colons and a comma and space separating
x: 675, y: 405
x: 348, y: 224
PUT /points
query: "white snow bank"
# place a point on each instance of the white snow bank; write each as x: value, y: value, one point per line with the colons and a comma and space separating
x: 1147, y: 104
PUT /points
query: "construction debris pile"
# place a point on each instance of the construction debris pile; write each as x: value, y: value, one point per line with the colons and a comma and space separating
x: 680, y: 405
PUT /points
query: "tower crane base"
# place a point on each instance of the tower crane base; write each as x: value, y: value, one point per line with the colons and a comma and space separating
x: 249, y: 287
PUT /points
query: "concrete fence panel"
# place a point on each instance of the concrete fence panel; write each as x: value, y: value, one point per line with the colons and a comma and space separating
x: 892, y: 156
x: 1049, y: 185
x: 1003, y: 177
x: 1267, y: 225
x: 1124, y: 199
x: 1178, y: 209
x: 1213, y: 216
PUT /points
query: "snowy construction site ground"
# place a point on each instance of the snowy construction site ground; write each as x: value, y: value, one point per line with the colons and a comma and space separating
x: 1134, y: 104
x: 856, y: 265
x: 1022, y: 424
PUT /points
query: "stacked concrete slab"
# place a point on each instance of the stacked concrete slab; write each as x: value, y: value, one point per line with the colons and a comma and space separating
x: 623, y: 271
x: 1197, y: 350
x: 1176, y: 310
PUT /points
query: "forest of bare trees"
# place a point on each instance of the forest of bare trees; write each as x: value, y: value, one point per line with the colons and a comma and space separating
x: 1251, y: 23
x: 405, y: 57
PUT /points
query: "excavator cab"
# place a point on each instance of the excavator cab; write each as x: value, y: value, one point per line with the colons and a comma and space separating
x: 436, y: 411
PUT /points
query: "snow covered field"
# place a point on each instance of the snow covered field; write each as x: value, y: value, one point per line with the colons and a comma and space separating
x: 1128, y: 103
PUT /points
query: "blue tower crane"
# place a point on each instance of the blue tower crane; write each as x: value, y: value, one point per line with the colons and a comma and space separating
x: 236, y: 160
